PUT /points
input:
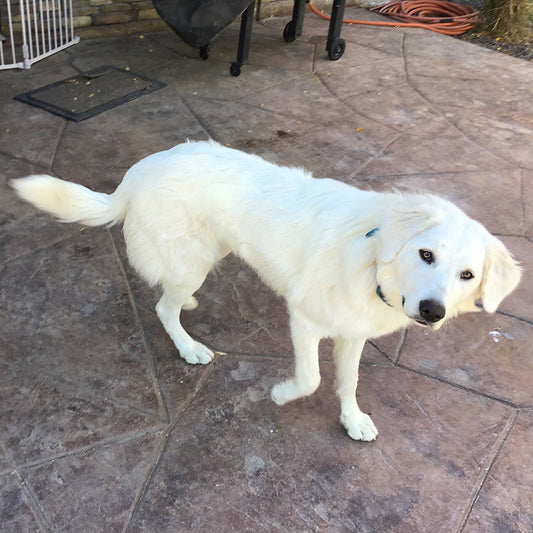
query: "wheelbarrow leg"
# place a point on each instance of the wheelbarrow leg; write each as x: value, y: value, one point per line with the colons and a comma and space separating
x: 245, y: 35
x: 294, y: 28
x: 335, y: 45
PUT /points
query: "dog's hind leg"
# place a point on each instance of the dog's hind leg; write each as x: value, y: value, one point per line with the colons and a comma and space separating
x: 306, y: 372
x: 174, y: 299
x: 347, y: 354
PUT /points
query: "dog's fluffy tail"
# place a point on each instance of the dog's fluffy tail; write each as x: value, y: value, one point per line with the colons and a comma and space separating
x: 71, y: 202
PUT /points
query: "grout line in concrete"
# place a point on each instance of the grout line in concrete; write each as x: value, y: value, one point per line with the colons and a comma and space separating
x: 485, y: 472
x: 64, y: 123
x: 151, y: 470
x: 33, y: 503
x: 104, y: 443
x: 149, y: 358
x: 50, y: 244
x: 160, y: 449
x: 211, y: 134
x: 486, y: 395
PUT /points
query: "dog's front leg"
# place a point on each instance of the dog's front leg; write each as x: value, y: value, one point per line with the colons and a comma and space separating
x: 347, y: 355
x: 306, y: 369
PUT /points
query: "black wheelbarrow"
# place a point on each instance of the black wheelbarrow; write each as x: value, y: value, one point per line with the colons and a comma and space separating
x: 198, y: 22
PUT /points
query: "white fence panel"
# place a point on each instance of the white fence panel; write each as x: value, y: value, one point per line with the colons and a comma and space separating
x: 31, y: 30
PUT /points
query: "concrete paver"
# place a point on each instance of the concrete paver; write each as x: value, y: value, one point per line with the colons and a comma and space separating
x: 105, y: 428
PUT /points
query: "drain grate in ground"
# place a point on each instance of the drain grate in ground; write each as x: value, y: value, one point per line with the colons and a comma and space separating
x: 90, y: 93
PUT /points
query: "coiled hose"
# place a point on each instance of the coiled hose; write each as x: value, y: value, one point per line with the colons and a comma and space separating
x: 436, y: 15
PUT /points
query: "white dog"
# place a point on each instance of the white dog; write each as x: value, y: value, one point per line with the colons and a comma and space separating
x: 351, y: 264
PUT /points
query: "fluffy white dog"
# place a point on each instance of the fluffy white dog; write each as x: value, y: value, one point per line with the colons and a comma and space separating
x: 351, y: 264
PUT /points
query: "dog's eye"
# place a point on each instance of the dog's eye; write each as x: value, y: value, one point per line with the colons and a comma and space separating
x: 467, y: 275
x: 427, y: 256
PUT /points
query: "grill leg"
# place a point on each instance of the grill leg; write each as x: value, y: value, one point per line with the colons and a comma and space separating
x: 245, y: 35
x: 204, y: 51
x: 335, y: 45
x: 294, y: 28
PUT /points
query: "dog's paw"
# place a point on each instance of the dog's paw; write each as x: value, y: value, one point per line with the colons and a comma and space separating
x: 197, y: 354
x: 360, y: 427
x: 290, y: 390
x: 283, y: 392
x: 190, y: 304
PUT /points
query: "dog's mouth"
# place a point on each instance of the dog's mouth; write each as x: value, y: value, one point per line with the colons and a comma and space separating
x: 425, y: 324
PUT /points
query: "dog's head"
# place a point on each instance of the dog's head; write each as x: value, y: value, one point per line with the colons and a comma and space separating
x: 435, y: 261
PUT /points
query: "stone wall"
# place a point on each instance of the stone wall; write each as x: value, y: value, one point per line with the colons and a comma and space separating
x: 107, y: 18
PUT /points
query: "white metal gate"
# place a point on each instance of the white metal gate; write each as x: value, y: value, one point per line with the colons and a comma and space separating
x: 31, y: 30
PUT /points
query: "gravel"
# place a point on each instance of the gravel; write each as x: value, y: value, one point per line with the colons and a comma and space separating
x: 521, y: 50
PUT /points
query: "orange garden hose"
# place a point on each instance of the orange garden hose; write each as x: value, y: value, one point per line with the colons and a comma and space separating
x: 435, y: 15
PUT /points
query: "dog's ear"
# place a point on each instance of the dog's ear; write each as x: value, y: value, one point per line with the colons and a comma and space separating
x: 501, y: 275
x: 405, y: 222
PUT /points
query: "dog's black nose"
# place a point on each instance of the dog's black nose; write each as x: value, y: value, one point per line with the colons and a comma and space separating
x: 431, y: 310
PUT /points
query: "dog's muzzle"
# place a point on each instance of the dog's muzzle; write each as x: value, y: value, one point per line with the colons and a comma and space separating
x: 430, y: 312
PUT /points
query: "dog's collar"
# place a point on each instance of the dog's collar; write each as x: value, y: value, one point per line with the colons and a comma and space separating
x: 378, y: 288
x: 381, y: 296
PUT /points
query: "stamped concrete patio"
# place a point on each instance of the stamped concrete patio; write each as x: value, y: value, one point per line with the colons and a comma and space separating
x: 104, y: 428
